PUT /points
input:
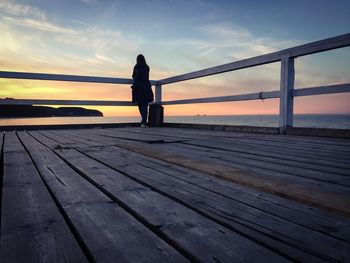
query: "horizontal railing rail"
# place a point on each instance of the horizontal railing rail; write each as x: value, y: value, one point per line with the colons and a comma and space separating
x: 286, y: 92
x: 70, y: 78
x: 307, y: 49
x: 319, y: 90
x: 65, y: 102
x: 251, y: 96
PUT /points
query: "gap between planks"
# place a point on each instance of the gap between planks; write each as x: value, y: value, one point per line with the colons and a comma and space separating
x: 85, y: 152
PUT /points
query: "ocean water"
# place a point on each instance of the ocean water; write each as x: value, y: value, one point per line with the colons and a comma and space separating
x: 307, y: 120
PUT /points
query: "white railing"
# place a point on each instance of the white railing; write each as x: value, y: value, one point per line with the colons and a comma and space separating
x: 286, y: 91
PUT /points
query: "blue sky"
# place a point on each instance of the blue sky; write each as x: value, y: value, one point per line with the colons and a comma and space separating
x: 103, y: 37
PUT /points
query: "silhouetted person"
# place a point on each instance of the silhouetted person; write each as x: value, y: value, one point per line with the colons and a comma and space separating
x: 142, y: 92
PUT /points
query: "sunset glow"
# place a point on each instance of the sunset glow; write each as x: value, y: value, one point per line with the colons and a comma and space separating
x: 103, y: 38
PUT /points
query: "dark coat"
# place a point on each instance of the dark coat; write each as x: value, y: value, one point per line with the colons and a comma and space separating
x: 141, y: 89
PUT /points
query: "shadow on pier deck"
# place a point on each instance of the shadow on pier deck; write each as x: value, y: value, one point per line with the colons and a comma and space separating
x: 173, y: 195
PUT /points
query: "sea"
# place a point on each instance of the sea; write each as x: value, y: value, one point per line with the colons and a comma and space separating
x: 300, y: 120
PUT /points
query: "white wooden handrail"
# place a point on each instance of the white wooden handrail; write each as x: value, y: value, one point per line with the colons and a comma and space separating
x: 286, y: 92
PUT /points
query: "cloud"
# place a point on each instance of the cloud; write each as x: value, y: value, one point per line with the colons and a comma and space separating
x: 21, y: 10
x: 37, y: 24
x: 31, y: 41
x: 89, y: 2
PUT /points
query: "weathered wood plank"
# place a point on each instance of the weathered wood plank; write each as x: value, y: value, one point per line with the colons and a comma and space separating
x: 305, y: 139
x: 240, y: 159
x: 108, y: 231
x: 256, y: 166
x: 294, y: 150
x: 293, y: 144
x: 297, y: 160
x: 203, y: 238
x: 187, y: 133
x: 207, y: 201
x: 317, y: 220
x: 66, y: 139
x: 306, y: 145
x: 32, y: 228
x: 197, y: 133
x: 268, y: 164
x: 134, y: 136
x: 280, y: 207
x: 302, y: 189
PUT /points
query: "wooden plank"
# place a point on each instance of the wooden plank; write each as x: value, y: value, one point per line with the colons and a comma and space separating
x: 238, y: 146
x: 155, y: 177
x: 94, y: 215
x: 307, y: 145
x: 199, y: 236
x: 322, y: 195
x: 305, y: 139
x: 302, y: 189
x: 209, y: 184
x: 289, y: 210
x: 257, y: 165
x: 255, y: 152
x: 64, y: 138
x: 194, y: 196
x: 204, y: 134
x: 316, y: 162
x: 285, y: 166
x: 115, y: 133
x: 32, y: 228
x: 67, y: 138
x: 334, y: 156
x: 295, y: 149
x: 297, y: 168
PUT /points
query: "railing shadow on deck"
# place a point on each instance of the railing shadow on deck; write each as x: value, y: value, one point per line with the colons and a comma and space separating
x: 286, y: 92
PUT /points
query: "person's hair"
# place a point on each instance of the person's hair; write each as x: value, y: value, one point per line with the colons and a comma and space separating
x: 140, y: 60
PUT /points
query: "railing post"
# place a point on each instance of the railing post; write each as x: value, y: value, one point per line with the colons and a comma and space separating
x: 286, y: 94
x: 158, y: 95
x: 156, y: 111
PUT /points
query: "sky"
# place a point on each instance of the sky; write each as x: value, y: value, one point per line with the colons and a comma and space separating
x: 103, y: 38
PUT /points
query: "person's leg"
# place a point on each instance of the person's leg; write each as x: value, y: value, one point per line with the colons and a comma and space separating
x: 143, y: 109
x: 140, y: 109
x: 144, y: 113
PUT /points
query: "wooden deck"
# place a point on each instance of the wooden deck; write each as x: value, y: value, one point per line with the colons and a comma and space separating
x: 173, y: 195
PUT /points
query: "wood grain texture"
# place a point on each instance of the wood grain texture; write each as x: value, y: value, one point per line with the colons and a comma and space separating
x: 329, y: 196
x: 32, y: 229
x: 200, y: 237
x: 160, y: 182
x: 108, y: 231
x: 294, y: 239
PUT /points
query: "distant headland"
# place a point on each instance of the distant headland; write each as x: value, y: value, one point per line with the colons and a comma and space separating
x: 27, y: 111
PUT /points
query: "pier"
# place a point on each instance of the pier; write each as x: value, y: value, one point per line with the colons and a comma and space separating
x: 178, y: 192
